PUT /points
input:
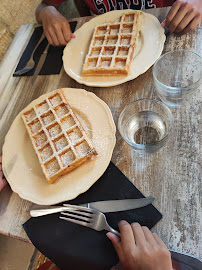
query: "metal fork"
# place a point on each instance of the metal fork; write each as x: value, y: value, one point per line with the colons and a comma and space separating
x: 30, y: 64
x: 88, y: 217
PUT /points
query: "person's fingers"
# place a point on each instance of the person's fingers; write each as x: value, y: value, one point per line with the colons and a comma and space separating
x: 114, y: 238
x: 49, y: 38
x: 173, y: 11
x: 1, y: 174
x: 127, y: 237
x: 60, y: 37
x: 138, y: 234
x: 163, y: 24
x: 57, y: 35
x: 179, y: 16
x: 0, y: 167
x: 66, y: 32
x: 54, y: 37
x: 73, y: 36
x: 0, y: 159
x: 159, y: 241
x: 186, y: 20
x: 149, y: 236
x: 56, y: 28
x: 193, y: 24
x: 3, y: 183
x: 116, y: 241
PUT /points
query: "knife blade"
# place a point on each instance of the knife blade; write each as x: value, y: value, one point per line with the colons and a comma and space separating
x: 103, y: 206
x: 40, y: 63
x: 118, y: 205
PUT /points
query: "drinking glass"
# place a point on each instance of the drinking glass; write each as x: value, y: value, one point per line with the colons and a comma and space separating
x: 177, y: 74
x: 145, y: 125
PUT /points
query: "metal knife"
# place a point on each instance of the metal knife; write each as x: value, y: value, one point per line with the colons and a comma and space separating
x: 103, y: 206
x: 40, y: 63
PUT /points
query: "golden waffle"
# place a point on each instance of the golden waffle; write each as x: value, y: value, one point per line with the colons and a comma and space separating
x: 112, y: 46
x: 58, y: 138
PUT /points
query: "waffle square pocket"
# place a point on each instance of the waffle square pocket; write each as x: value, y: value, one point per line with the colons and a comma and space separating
x: 58, y: 138
x: 113, y: 45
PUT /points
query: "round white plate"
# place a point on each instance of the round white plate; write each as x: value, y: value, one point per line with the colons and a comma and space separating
x: 21, y: 166
x: 149, y: 48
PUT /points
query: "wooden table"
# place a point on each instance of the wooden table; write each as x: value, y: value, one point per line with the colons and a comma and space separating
x: 172, y: 175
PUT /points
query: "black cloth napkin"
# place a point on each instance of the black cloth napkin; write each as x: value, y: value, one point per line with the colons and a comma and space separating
x: 74, y: 247
x: 53, y: 62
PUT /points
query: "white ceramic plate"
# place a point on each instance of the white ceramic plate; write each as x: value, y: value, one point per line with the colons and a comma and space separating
x: 21, y: 166
x: 149, y: 48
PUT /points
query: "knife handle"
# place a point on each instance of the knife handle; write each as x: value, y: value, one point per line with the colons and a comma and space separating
x: 34, y: 212
x: 40, y: 40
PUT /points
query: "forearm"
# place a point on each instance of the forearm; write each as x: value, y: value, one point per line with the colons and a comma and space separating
x: 43, y: 7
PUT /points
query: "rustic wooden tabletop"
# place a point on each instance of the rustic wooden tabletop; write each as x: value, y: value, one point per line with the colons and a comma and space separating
x: 172, y: 175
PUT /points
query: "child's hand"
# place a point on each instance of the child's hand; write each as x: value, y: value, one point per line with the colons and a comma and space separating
x: 3, y: 181
x: 56, y: 27
x: 184, y: 16
x: 140, y: 249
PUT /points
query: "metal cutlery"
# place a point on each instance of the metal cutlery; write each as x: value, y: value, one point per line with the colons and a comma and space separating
x: 89, y: 218
x: 30, y: 64
x: 40, y: 63
x: 38, y: 211
x: 103, y: 206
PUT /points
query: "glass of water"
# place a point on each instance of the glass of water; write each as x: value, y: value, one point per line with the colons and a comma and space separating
x: 145, y: 125
x: 177, y: 74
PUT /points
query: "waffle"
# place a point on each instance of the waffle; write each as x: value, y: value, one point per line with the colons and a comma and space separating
x: 112, y: 46
x: 57, y: 136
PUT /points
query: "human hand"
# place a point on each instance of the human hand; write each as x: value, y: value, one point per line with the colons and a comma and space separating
x: 56, y: 26
x: 184, y: 15
x: 3, y: 181
x: 140, y: 249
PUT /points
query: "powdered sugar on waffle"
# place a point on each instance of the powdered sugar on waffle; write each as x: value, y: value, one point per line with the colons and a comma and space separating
x: 58, y: 138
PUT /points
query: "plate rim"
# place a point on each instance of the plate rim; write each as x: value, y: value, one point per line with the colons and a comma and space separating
x: 52, y: 201
x: 125, y: 79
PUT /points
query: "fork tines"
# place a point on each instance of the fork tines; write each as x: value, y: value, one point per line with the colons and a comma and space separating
x: 81, y: 215
x: 87, y: 217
